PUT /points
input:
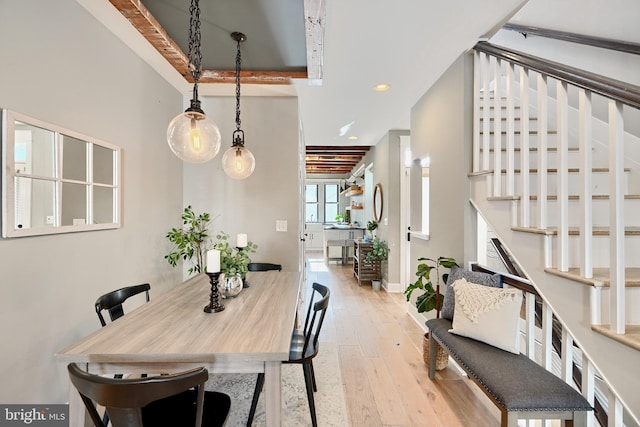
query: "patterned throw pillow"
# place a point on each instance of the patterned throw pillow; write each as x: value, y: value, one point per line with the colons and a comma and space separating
x: 448, y: 306
x: 487, y: 314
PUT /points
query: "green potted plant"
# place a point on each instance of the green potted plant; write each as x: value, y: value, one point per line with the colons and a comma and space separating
x: 233, y: 261
x: 379, y: 252
x: 431, y: 298
x: 191, y: 241
x: 233, y: 264
x: 372, y: 225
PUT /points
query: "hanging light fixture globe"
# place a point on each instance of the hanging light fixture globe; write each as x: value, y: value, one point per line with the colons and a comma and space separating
x: 238, y: 162
x: 192, y: 136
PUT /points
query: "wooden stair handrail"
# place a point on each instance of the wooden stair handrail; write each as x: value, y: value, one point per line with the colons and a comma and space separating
x: 611, y: 44
x: 611, y: 88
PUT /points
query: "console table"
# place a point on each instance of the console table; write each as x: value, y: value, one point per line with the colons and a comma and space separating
x: 363, y: 269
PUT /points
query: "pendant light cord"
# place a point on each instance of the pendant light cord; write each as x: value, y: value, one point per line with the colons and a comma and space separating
x: 238, y: 63
x: 195, y: 56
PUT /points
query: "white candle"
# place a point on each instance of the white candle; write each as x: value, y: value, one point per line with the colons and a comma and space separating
x: 213, y: 261
x: 241, y: 240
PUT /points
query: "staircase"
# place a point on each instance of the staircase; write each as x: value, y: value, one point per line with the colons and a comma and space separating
x: 561, y: 188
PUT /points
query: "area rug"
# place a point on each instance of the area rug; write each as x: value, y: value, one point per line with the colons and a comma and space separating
x: 330, y: 403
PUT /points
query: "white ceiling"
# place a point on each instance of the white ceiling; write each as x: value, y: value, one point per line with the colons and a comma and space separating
x: 405, y: 43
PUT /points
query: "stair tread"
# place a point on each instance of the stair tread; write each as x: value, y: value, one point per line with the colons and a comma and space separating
x: 517, y: 132
x: 631, y: 337
x: 594, y: 197
x: 570, y: 170
x: 533, y: 149
x: 575, y: 231
x: 571, y: 197
x: 601, y: 276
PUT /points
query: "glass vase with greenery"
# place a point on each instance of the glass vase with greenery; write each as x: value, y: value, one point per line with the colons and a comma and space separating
x: 191, y: 241
x: 233, y: 260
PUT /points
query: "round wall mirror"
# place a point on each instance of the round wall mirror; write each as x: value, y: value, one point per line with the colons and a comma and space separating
x: 378, y: 203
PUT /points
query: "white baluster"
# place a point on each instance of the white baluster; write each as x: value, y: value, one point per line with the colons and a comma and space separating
x: 486, y: 112
x: 588, y: 386
x: 563, y: 175
x: 510, y: 122
x: 616, y: 214
x: 615, y: 411
x: 543, y: 138
x: 567, y: 357
x: 530, y: 318
x: 586, y: 178
x: 595, y: 297
x: 476, y: 111
x: 547, y: 328
x: 525, y: 189
x: 497, y: 128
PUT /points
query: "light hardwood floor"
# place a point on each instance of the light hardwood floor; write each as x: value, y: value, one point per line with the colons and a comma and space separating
x: 385, y: 380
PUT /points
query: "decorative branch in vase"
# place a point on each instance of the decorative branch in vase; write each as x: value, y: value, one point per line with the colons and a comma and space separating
x: 191, y: 241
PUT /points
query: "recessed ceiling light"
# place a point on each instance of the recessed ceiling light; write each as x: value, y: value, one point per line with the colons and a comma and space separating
x: 352, y: 138
x: 382, y: 87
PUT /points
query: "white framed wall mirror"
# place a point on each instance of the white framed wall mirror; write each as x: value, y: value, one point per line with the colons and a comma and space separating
x: 55, y: 180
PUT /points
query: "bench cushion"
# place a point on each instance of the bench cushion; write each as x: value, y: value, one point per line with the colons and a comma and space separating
x: 515, y: 382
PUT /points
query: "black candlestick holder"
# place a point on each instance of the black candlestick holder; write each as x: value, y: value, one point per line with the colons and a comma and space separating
x: 214, y: 298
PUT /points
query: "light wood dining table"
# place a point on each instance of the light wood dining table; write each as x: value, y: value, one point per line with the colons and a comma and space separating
x: 172, y: 333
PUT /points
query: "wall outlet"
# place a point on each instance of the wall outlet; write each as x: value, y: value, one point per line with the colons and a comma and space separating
x: 281, y: 225
x: 49, y: 219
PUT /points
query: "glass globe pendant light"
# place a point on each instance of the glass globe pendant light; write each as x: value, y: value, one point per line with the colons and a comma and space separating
x: 238, y: 162
x: 192, y: 136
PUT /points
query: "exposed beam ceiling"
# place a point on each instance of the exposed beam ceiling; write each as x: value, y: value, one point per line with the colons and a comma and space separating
x: 142, y: 19
x: 333, y: 159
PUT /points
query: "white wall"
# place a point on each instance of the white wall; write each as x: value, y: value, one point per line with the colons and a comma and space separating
x: 441, y: 130
x: 271, y: 193
x: 62, y: 66
x: 387, y: 163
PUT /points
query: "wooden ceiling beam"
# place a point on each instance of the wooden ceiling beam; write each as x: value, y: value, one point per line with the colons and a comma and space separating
x: 333, y: 159
x: 147, y: 25
x: 314, y: 23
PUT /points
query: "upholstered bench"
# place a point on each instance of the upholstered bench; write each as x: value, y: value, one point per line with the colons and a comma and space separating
x: 521, y: 388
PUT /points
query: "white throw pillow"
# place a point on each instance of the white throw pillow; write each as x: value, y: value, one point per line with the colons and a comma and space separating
x: 490, y: 315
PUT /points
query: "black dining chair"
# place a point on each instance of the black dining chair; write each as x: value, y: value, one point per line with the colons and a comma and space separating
x: 112, y: 301
x: 304, y: 347
x: 167, y: 400
x: 263, y: 266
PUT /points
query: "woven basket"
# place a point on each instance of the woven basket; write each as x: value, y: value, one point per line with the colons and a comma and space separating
x: 442, y: 357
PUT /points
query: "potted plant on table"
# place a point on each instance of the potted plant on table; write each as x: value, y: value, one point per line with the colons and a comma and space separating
x: 431, y: 298
x: 234, y: 264
x: 379, y: 252
x: 371, y: 227
x: 191, y: 241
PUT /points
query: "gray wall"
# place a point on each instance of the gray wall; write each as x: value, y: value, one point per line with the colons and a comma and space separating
x: 271, y: 193
x: 387, y: 165
x: 441, y: 129
x: 62, y: 66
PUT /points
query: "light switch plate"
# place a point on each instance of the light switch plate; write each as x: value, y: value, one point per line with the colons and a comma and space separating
x: 281, y: 225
